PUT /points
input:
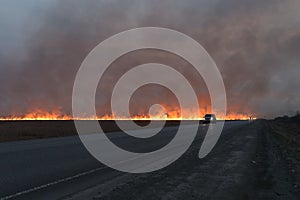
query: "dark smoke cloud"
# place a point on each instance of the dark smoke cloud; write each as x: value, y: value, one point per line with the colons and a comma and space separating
x: 255, y: 44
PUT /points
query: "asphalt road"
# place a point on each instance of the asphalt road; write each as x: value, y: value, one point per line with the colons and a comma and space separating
x: 62, y: 168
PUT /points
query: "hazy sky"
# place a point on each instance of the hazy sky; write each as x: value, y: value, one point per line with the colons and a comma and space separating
x: 255, y: 44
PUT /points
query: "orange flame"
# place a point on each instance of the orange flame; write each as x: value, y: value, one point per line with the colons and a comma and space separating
x: 170, y: 115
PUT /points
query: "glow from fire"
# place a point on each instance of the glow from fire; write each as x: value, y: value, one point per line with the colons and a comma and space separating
x: 170, y: 115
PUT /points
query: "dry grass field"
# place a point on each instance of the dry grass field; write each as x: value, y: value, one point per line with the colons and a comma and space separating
x: 25, y: 130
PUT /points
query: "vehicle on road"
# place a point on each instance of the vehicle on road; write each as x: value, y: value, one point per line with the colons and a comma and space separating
x: 210, y: 118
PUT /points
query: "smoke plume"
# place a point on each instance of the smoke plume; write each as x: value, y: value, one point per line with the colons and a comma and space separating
x: 255, y: 44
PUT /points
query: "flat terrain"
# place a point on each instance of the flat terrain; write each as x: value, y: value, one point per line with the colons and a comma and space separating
x: 26, y: 130
x: 247, y: 163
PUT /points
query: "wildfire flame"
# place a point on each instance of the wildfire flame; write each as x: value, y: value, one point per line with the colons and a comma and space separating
x: 172, y: 115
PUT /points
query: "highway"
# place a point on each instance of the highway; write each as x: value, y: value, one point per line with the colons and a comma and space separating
x: 59, y: 168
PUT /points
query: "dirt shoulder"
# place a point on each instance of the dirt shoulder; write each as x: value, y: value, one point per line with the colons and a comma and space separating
x: 276, y: 162
x: 287, y: 132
